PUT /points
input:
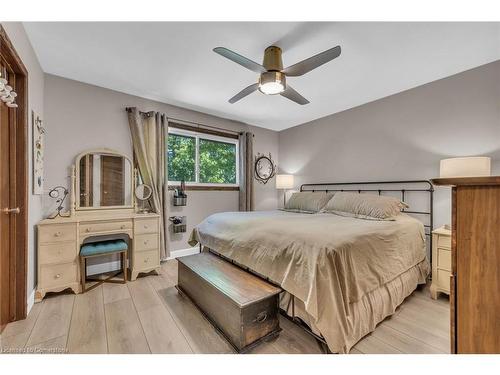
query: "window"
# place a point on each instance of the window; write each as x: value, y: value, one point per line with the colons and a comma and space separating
x: 202, y: 159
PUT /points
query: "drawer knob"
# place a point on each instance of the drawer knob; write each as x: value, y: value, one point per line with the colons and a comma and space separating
x: 145, y: 227
x: 122, y: 227
x: 57, y: 234
x: 58, y: 276
x: 262, y: 316
x: 146, y: 260
x: 88, y: 230
x: 146, y: 242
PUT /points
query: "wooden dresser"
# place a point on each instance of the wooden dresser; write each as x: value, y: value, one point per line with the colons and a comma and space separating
x: 475, y: 258
x: 441, y: 261
x: 59, y: 242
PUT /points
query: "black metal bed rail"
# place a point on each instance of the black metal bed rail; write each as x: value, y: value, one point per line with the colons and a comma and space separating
x: 406, y: 186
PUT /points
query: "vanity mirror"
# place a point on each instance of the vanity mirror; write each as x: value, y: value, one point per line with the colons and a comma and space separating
x: 142, y: 194
x: 104, y: 179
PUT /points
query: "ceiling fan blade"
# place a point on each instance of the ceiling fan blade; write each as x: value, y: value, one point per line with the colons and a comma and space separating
x: 293, y: 95
x: 246, y: 91
x: 238, y: 59
x: 311, y: 63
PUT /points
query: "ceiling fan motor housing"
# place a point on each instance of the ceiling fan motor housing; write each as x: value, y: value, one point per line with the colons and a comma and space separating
x: 272, y: 59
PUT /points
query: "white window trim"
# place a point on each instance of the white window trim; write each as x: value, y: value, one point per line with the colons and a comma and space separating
x: 197, y: 136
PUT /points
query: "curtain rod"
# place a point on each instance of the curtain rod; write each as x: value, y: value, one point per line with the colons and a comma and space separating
x: 172, y: 119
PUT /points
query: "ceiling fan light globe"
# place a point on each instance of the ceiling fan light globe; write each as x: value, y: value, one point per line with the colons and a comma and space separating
x: 271, y: 88
x: 272, y: 83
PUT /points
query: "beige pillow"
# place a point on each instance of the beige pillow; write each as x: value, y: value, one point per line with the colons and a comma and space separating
x: 365, y: 206
x: 307, y: 201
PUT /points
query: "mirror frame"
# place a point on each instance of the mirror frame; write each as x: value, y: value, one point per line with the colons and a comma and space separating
x: 76, y: 177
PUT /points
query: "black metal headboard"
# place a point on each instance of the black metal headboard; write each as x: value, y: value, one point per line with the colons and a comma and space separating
x: 403, y: 187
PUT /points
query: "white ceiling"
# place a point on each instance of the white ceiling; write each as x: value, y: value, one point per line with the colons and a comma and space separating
x: 174, y: 63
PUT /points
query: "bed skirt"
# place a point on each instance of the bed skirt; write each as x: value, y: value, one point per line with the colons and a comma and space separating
x: 363, y: 315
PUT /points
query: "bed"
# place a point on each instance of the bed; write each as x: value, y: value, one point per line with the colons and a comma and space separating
x: 341, y: 275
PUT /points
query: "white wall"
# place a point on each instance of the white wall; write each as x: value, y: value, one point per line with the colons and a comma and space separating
x: 403, y: 136
x: 82, y: 116
x: 19, y: 39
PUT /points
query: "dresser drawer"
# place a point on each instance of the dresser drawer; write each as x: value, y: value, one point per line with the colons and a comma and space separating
x: 56, y: 233
x: 146, y: 242
x: 146, y: 226
x: 444, y: 280
x: 146, y: 259
x: 444, y: 259
x: 57, y: 275
x: 444, y: 241
x: 109, y: 226
x: 59, y: 252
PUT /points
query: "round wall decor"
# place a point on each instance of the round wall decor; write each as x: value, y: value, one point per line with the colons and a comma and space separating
x: 265, y: 168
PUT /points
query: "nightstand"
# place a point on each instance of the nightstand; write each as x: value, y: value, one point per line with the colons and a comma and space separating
x: 441, y: 261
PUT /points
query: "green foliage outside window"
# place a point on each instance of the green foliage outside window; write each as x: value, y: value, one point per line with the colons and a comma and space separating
x: 181, y: 158
x: 217, y: 160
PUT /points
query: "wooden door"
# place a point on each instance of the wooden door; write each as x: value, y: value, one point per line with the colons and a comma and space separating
x: 477, y: 302
x: 112, y: 180
x: 5, y: 218
x: 13, y: 188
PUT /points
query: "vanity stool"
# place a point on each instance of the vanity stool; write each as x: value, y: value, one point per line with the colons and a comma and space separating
x: 91, y: 250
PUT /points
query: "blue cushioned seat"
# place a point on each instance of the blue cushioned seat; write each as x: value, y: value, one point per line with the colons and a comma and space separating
x: 103, y: 247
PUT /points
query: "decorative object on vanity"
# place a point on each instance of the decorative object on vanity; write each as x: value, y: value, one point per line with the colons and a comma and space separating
x: 38, y: 153
x: 472, y: 166
x: 180, y: 196
x: 475, y: 264
x: 241, y: 306
x: 7, y: 93
x: 60, y: 239
x: 142, y: 194
x: 99, y: 249
x: 265, y: 168
x: 441, y: 266
x: 104, y: 178
x: 178, y: 224
x: 284, y: 182
x: 272, y: 79
x: 56, y: 194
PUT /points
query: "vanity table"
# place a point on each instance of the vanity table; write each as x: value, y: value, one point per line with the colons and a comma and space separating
x: 102, y: 207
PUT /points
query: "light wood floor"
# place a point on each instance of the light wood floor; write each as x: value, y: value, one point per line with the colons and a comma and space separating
x: 149, y: 316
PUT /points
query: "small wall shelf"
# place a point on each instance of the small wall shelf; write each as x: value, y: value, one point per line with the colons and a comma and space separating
x: 178, y: 227
x: 180, y: 201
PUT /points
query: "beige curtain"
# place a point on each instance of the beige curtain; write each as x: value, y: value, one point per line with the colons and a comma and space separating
x: 149, y: 137
x: 247, y: 200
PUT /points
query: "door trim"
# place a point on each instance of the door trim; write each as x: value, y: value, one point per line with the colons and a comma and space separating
x: 19, y: 230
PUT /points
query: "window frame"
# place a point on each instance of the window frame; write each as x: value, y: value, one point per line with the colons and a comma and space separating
x: 209, y: 137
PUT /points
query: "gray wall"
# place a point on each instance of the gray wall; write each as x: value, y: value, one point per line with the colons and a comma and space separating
x: 403, y: 136
x: 82, y: 116
x: 21, y: 43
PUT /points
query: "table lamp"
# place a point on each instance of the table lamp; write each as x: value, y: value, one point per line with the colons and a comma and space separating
x: 284, y: 181
x: 473, y: 166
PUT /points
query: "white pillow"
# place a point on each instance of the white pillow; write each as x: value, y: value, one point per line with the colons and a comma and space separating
x: 365, y: 206
x: 307, y: 201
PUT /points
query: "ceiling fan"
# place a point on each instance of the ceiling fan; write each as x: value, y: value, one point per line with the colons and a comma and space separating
x: 272, y: 78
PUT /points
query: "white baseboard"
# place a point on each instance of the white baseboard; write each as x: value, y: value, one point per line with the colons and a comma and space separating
x: 183, y: 252
x: 30, y: 302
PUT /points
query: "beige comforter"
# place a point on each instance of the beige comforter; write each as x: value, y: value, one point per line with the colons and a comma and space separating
x: 329, y: 262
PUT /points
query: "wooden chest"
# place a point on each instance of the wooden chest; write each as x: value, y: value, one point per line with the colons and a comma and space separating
x: 243, y: 307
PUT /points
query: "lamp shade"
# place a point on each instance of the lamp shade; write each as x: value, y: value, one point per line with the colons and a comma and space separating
x: 284, y: 181
x: 474, y: 166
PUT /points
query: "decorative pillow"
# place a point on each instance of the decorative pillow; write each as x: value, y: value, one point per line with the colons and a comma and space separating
x: 365, y: 206
x: 307, y: 201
